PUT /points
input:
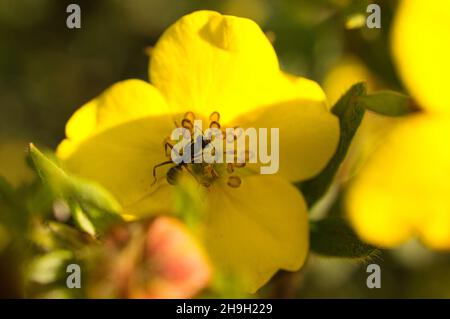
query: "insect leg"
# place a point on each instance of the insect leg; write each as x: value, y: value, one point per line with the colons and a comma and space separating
x: 167, y: 147
x: 157, y: 166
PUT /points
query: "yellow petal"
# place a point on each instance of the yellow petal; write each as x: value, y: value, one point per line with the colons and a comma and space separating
x: 403, y: 190
x: 421, y: 50
x: 122, y: 158
x: 209, y: 62
x: 256, y: 229
x: 308, y: 136
x: 122, y: 102
x: 305, y: 89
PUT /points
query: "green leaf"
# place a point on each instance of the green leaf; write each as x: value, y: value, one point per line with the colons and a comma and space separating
x: 333, y: 237
x: 82, y: 220
x: 188, y: 202
x: 93, y: 207
x: 388, y: 103
x: 50, y: 172
x: 69, y: 236
x: 48, y: 268
x: 350, y: 112
x: 92, y: 195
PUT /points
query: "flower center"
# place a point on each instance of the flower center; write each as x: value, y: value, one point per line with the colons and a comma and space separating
x: 194, y: 150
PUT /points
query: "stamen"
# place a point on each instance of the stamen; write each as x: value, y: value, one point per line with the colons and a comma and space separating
x: 187, y: 124
x: 209, y: 170
x: 189, y: 116
x: 214, y: 124
x: 206, y: 184
x: 234, y: 181
x: 214, y: 173
x: 214, y: 117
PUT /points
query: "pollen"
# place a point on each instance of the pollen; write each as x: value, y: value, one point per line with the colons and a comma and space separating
x: 234, y: 181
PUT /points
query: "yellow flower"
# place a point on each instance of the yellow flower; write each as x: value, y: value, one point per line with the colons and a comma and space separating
x: 421, y: 50
x: 348, y: 71
x: 403, y: 191
x: 205, y: 63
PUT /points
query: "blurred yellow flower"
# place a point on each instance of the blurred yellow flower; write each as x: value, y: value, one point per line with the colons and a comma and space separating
x: 348, y: 71
x: 207, y: 63
x: 421, y: 48
x: 403, y: 190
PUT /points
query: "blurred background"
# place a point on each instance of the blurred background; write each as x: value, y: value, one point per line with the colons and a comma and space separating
x: 47, y: 71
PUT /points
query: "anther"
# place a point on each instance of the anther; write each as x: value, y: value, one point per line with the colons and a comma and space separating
x: 189, y: 116
x: 234, y: 181
x: 214, y: 173
x: 206, y: 184
x: 187, y: 124
x: 230, y: 168
x: 214, y: 124
x: 214, y: 117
